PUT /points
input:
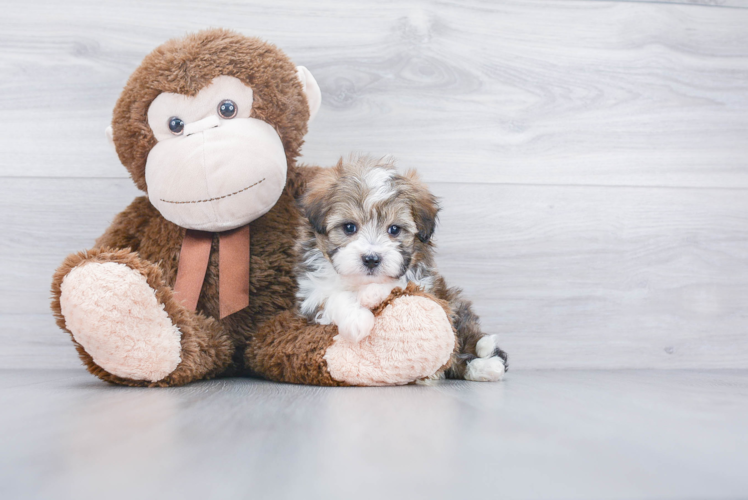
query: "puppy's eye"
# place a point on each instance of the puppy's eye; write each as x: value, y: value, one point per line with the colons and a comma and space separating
x: 227, y: 109
x: 176, y: 125
x: 394, y: 230
x: 349, y: 228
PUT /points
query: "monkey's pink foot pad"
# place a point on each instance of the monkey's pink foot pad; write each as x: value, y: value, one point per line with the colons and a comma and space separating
x: 411, y: 340
x: 114, y: 314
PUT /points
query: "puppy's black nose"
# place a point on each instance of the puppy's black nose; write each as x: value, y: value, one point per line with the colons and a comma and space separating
x: 372, y: 260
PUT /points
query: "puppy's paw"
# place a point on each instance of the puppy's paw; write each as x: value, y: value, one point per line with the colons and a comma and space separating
x: 357, y: 325
x: 486, y: 346
x: 485, y: 369
x: 373, y: 294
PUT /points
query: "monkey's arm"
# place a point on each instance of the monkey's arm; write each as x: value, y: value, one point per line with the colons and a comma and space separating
x: 412, y: 339
x: 128, y: 227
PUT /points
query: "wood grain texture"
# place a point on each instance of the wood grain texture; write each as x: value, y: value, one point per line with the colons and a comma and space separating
x: 34, y: 341
x: 733, y: 4
x: 592, y: 156
x: 539, y: 434
x: 549, y: 92
x: 568, y: 276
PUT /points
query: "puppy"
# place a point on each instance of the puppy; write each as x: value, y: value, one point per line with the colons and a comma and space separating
x: 366, y: 230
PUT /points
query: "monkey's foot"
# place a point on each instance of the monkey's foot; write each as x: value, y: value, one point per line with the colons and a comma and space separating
x: 114, y: 314
x: 412, y: 339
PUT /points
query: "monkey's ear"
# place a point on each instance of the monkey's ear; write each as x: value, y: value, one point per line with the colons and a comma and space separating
x: 109, y: 135
x: 311, y: 90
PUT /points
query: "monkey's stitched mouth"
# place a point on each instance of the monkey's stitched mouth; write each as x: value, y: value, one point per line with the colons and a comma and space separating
x: 216, y: 198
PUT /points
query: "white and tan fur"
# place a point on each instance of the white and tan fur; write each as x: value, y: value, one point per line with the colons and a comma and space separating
x: 368, y: 229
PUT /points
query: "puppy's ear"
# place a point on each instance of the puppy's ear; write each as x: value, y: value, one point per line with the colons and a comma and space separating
x: 315, y: 211
x: 425, y: 207
x: 315, y: 203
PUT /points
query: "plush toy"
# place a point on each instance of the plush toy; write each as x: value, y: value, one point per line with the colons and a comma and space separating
x: 196, y: 279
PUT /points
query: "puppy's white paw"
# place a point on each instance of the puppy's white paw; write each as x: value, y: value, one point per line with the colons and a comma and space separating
x: 486, y: 346
x: 357, y: 325
x: 373, y: 294
x: 485, y: 369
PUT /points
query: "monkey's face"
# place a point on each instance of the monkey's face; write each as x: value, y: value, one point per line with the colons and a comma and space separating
x: 208, y: 124
x: 214, y: 167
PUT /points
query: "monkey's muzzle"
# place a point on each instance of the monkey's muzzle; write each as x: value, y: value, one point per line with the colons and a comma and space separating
x: 219, y: 175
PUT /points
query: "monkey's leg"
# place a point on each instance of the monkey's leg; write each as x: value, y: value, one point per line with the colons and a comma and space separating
x: 127, y: 326
x: 479, y: 359
x: 288, y: 349
x: 412, y: 339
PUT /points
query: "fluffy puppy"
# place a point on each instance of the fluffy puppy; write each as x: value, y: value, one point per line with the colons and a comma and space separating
x: 366, y: 230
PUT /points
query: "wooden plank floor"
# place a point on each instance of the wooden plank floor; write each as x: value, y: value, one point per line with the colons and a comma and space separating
x: 540, y: 434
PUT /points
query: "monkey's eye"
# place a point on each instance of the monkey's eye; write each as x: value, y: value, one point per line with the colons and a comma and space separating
x: 227, y: 109
x: 176, y: 125
x: 349, y: 228
x: 394, y: 230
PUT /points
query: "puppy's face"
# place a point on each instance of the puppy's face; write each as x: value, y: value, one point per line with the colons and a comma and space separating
x: 371, y: 223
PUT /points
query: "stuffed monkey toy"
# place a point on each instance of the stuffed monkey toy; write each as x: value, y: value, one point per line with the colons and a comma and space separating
x: 196, y: 279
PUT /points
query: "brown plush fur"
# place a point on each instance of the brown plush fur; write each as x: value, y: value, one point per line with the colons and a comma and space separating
x: 140, y: 237
x: 206, y: 347
x: 143, y: 240
x: 186, y: 65
x: 286, y: 356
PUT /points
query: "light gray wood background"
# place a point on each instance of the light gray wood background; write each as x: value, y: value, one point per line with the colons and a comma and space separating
x: 591, y: 156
